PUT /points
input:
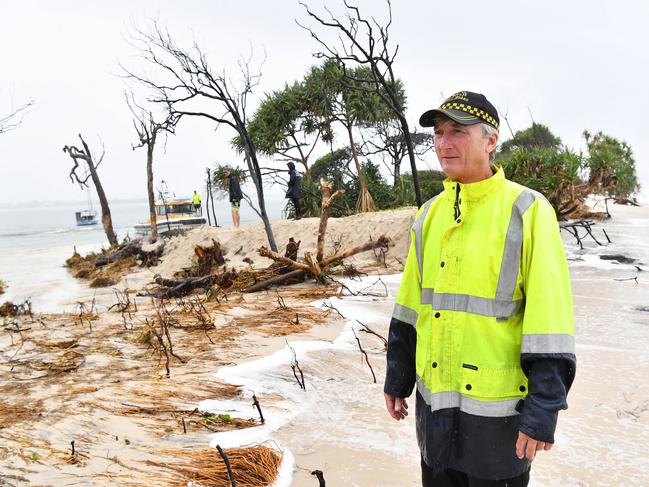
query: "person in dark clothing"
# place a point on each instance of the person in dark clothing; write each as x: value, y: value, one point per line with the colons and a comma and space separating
x: 294, y: 188
x: 234, y: 190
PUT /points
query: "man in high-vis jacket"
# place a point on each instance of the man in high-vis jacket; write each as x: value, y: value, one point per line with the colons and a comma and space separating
x: 483, y: 323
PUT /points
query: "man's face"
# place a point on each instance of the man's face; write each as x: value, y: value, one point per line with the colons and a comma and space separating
x: 463, y: 150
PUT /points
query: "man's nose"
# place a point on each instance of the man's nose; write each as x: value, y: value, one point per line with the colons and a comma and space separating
x: 442, y: 142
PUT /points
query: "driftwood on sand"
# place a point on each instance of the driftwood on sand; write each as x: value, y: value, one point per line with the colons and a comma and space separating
x: 314, y: 265
x: 131, y: 248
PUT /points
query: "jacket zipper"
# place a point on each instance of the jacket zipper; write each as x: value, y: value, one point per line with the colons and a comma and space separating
x: 456, y: 208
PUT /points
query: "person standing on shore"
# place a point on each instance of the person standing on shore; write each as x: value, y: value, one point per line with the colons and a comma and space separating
x: 294, y: 190
x: 483, y: 322
x: 196, y: 200
x: 234, y: 191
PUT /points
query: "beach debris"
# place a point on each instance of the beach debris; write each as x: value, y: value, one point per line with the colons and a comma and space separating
x: 87, y: 313
x: 619, y: 258
x: 3, y: 286
x: 227, y: 465
x: 281, y: 321
x: 10, y: 310
x: 573, y: 228
x: 317, y: 265
x: 330, y: 307
x: 295, y: 367
x: 629, y: 279
x: 367, y: 360
x: 181, y: 287
x: 255, y: 403
x: 368, y: 330
x: 320, y: 476
x: 124, y: 306
x: 207, y: 259
x: 163, y: 319
x: 251, y: 466
x: 132, y: 248
x: 106, y: 268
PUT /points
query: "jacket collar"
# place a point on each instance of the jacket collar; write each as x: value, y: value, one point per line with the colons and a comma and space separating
x: 474, y: 192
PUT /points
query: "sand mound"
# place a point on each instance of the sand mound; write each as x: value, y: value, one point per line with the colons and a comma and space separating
x: 342, y: 233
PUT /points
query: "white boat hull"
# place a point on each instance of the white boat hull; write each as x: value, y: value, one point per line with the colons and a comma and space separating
x: 173, y: 226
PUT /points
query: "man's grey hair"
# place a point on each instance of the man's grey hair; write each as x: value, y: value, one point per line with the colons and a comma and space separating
x: 488, y: 131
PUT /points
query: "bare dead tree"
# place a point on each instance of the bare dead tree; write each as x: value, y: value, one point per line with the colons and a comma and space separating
x: 84, y: 155
x: 187, y: 86
x: 15, y: 118
x: 147, y: 129
x: 367, y: 42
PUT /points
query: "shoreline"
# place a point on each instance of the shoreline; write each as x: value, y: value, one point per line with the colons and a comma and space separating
x: 341, y: 427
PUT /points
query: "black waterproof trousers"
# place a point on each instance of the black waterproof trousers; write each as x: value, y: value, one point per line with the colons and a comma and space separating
x: 454, y: 478
x: 296, y: 204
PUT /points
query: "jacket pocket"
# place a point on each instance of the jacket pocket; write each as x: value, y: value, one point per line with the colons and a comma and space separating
x: 493, y: 383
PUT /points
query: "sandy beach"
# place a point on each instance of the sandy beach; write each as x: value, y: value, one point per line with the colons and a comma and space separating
x: 97, y: 379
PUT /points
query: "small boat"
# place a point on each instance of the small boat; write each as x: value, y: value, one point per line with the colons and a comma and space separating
x: 173, y: 215
x: 86, y: 217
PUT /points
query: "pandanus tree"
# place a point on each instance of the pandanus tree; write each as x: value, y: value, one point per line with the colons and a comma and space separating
x: 284, y: 127
x: 339, y: 97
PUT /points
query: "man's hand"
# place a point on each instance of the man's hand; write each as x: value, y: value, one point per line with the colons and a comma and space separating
x: 527, y: 447
x: 397, y: 406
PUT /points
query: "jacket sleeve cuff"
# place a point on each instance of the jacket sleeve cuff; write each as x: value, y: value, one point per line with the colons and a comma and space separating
x: 538, y: 423
x: 398, y: 389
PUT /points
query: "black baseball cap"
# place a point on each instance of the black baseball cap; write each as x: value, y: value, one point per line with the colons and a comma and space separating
x: 465, y: 108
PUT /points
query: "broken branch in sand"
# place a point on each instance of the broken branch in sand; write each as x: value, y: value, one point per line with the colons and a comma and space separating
x: 573, y: 229
x: 320, y: 476
x: 227, y: 465
x: 296, y: 366
x: 367, y: 360
x: 368, y: 330
x: 255, y: 403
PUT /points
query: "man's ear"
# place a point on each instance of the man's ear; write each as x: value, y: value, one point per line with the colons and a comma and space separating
x: 492, y: 143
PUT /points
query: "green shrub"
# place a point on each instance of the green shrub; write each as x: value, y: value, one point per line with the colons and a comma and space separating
x: 611, y: 166
x: 553, y: 173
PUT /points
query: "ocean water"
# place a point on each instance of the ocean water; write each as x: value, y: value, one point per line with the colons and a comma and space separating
x: 37, y: 238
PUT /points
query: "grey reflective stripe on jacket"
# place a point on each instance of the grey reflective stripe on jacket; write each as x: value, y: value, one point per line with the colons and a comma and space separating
x: 453, y: 399
x: 405, y: 314
x: 417, y: 228
x: 548, y: 343
x: 470, y: 304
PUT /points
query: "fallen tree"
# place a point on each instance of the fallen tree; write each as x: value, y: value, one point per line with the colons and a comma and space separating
x: 105, y: 269
x: 315, y: 266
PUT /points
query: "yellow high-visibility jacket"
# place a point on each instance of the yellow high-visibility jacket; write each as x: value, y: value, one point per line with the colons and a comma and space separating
x: 196, y: 199
x: 483, y: 325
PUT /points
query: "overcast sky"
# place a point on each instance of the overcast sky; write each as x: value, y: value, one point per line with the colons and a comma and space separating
x: 573, y: 65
